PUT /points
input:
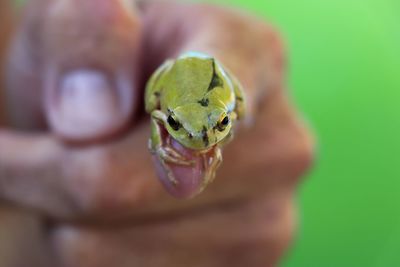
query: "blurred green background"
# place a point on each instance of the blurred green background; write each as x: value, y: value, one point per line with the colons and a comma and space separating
x: 345, y: 78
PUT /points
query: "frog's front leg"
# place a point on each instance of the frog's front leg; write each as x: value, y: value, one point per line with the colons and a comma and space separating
x: 164, y: 150
x: 211, y: 165
x: 157, y: 145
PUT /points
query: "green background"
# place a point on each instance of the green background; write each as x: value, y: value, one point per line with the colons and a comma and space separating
x: 344, y: 76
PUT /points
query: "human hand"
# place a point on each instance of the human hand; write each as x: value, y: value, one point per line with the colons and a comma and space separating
x: 107, y: 177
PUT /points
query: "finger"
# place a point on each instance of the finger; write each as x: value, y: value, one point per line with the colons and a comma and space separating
x: 28, y: 172
x: 209, y: 237
x: 81, y: 62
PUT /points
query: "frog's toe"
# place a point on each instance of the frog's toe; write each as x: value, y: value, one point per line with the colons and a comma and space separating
x: 169, y: 155
x: 174, y: 153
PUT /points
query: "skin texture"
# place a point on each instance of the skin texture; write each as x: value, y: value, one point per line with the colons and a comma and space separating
x: 90, y: 180
x: 194, y: 101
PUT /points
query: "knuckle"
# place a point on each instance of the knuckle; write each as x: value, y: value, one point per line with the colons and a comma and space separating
x: 303, y: 155
x: 286, y: 143
x: 96, y: 184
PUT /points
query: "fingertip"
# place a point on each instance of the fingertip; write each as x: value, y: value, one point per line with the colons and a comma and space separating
x: 182, y: 181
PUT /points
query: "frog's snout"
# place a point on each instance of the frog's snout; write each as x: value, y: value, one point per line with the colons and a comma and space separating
x: 201, y: 140
x: 208, y: 138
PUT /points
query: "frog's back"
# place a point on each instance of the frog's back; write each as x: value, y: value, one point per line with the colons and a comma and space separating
x: 192, y: 79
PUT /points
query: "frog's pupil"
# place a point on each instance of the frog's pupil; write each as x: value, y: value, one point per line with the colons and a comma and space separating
x: 173, y: 123
x: 225, y: 121
x: 222, y: 124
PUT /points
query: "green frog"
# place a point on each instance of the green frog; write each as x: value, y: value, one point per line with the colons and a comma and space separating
x: 196, y: 101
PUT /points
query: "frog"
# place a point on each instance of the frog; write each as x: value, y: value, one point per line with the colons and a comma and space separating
x: 196, y: 101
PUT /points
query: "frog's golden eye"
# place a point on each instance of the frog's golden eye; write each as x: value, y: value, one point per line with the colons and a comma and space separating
x: 223, y: 123
x: 173, y: 123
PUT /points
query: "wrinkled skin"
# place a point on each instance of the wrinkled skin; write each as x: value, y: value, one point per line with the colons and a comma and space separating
x: 73, y: 152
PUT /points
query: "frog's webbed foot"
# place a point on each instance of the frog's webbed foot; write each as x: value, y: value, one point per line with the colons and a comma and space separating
x: 170, y: 155
x: 166, y: 155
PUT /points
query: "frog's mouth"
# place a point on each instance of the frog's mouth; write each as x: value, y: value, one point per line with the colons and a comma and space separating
x: 187, y: 179
x: 195, y: 147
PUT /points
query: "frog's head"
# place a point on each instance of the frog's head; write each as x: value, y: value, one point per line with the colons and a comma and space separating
x: 197, y: 127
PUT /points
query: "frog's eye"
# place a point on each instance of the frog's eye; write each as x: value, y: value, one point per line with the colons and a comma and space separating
x: 173, y: 123
x: 223, y: 123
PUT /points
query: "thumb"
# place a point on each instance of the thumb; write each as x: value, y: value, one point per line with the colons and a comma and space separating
x: 87, y: 52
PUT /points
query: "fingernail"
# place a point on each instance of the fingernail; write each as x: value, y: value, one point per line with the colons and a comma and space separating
x: 85, y: 105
